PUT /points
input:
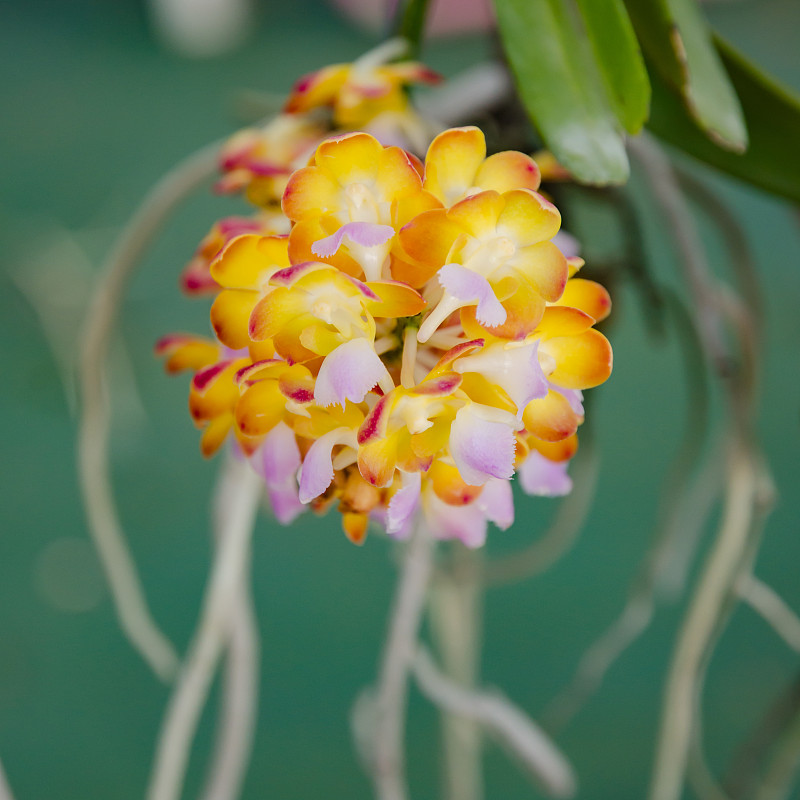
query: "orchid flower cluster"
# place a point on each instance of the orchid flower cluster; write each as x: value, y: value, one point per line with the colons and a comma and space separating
x: 392, y: 335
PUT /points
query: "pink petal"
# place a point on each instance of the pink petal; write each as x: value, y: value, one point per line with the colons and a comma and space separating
x: 367, y: 234
x: 540, y: 476
x: 465, y: 523
x: 317, y: 471
x: 285, y: 504
x: 481, y: 449
x: 470, y: 287
x: 496, y: 501
x: 348, y: 373
x: 404, y: 503
x: 280, y: 456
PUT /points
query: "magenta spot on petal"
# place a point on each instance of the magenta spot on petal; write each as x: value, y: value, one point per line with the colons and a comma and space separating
x: 288, y: 275
x: 362, y: 287
x: 246, y: 372
x: 171, y: 341
x: 304, y: 83
x: 205, y: 377
x: 443, y: 385
x: 372, y: 424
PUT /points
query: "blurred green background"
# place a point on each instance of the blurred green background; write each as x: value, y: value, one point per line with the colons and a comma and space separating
x: 95, y: 110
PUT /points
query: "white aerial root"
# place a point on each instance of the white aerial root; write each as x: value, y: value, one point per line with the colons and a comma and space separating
x: 93, y: 432
x: 705, y: 610
x: 240, y: 682
x: 387, y: 760
x: 455, y: 624
x: 772, y: 607
x: 219, y: 603
x: 5, y: 789
x: 503, y: 720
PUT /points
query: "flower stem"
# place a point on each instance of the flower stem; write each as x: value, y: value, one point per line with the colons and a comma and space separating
x: 392, y: 691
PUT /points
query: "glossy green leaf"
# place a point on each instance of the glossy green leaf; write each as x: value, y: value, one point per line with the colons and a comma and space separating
x: 558, y: 81
x: 773, y: 119
x: 677, y: 42
x: 620, y: 60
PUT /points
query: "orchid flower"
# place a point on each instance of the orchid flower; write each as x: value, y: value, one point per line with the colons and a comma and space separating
x: 404, y: 336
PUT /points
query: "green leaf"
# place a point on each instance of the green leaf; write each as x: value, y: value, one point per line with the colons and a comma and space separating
x: 773, y: 119
x: 620, y: 59
x: 558, y: 83
x: 677, y: 42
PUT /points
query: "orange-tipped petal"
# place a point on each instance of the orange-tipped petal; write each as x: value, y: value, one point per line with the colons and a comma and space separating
x: 377, y: 461
x: 508, y: 170
x: 260, y: 408
x: 397, y: 175
x: 555, y: 451
x: 310, y: 193
x: 588, y: 296
x: 351, y: 157
x: 408, y: 206
x: 230, y: 316
x: 247, y: 260
x: 582, y: 361
x: 544, y: 266
x: 564, y: 321
x: 274, y: 312
x: 528, y: 218
x: 184, y: 351
x: 355, y: 526
x: 478, y: 214
x: 213, y: 390
x: 396, y: 300
x: 550, y: 418
x: 214, y: 434
x: 449, y: 486
x: 452, y: 162
x: 317, y: 89
x: 427, y: 239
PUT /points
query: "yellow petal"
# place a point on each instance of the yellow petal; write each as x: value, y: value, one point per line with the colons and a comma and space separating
x: 260, y: 408
x: 550, y: 418
x: 396, y: 300
x: 544, y: 266
x: 478, y: 214
x: 588, y: 296
x: 453, y: 159
x: 355, y: 526
x: 582, y: 361
x: 214, y: 434
x: 450, y: 487
x: 528, y: 218
x: 508, y: 170
x: 350, y: 158
x: 230, y: 316
x: 248, y: 260
x: 310, y: 193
